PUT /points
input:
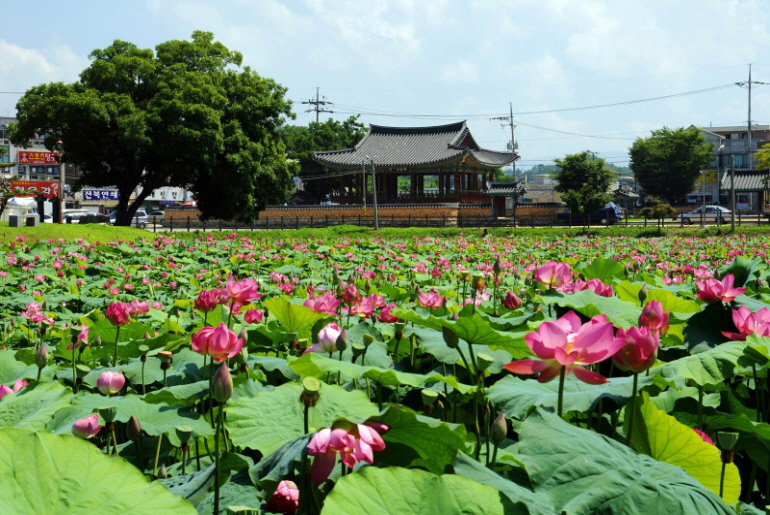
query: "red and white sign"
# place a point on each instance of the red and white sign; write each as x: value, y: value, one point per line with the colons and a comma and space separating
x: 39, y: 158
x: 48, y: 189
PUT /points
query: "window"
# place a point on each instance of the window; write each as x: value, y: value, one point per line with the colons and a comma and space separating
x: 3, y: 132
x: 5, y: 157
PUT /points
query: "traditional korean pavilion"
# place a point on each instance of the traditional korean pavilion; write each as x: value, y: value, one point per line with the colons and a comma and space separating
x: 407, y: 159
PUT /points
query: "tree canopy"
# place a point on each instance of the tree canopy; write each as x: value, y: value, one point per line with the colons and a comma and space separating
x: 185, y: 115
x: 668, y: 163
x: 302, y: 141
x: 763, y: 156
x: 583, y: 182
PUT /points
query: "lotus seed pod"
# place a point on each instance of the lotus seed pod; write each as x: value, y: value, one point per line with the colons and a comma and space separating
x: 184, y: 433
x: 311, y: 388
x: 727, y: 440
x: 109, y: 413
x: 358, y: 349
x: 484, y: 361
x: 369, y: 339
x: 428, y: 396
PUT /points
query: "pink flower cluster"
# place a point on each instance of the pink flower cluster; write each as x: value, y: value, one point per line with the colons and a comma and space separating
x: 218, y: 342
x: 354, y: 444
x: 749, y: 323
x: 17, y: 385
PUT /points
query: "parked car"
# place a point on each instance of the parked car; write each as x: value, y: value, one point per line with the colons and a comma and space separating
x: 140, y: 218
x: 157, y: 213
x: 47, y: 219
x: 72, y: 216
x: 94, y: 218
x: 609, y: 214
x: 712, y: 214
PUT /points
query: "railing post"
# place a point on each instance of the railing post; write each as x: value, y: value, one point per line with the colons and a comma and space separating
x: 171, y: 223
x: 478, y: 221
x: 251, y: 225
x: 443, y: 223
x: 188, y: 224
x: 739, y: 218
x: 311, y: 221
x: 359, y: 219
x: 203, y: 223
x: 296, y: 223
x: 327, y: 220
x: 460, y: 219
x: 570, y: 219
x: 220, y: 225
x: 343, y: 218
x: 409, y: 220
x: 155, y: 224
x: 533, y: 219
x: 267, y: 222
x: 282, y: 223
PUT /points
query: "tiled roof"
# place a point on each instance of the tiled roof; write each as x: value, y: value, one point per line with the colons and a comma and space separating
x: 746, y: 181
x: 393, y: 147
x: 501, y: 188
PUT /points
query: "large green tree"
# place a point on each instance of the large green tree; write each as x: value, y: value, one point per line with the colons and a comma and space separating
x: 186, y: 115
x: 583, y: 182
x: 668, y: 163
x: 302, y: 141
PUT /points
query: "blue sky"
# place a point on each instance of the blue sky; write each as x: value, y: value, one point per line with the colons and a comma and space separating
x: 418, y: 62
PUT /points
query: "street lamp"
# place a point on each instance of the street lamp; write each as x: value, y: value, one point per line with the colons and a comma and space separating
x: 719, y: 182
x: 703, y: 204
x: 60, y: 157
x: 732, y: 192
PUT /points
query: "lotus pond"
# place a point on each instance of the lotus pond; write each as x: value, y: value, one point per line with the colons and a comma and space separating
x: 476, y: 374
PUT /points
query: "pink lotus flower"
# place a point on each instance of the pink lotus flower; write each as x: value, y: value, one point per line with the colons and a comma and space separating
x: 242, y: 292
x: 354, y: 444
x: 564, y: 342
x: 253, y: 316
x: 385, y: 315
x: 327, y: 339
x: 350, y: 295
x: 82, y: 339
x: 86, y: 427
x: 512, y: 301
x: 704, y: 436
x: 640, y: 351
x: 110, y: 382
x: 431, y: 300
x: 654, y: 318
x: 218, y: 342
x: 553, y: 274
x: 138, y: 307
x: 323, y: 304
x: 712, y: 290
x: 749, y: 323
x: 118, y: 313
x: 17, y: 385
x: 285, y: 499
x: 207, y: 300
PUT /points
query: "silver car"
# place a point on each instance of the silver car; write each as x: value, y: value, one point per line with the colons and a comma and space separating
x: 711, y: 214
x: 140, y: 218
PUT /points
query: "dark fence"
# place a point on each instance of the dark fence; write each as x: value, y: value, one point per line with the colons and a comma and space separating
x: 275, y: 221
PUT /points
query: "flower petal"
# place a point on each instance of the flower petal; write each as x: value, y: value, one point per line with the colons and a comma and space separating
x: 587, y: 376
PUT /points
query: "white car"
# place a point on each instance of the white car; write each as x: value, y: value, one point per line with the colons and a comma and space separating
x: 711, y: 214
x: 140, y: 218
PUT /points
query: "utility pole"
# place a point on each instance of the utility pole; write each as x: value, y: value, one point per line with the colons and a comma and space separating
x: 732, y: 193
x: 747, y: 84
x: 317, y: 105
x: 513, y: 146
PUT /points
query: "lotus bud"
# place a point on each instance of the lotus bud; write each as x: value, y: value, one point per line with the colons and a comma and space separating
x: 643, y: 293
x: 454, y: 317
x: 484, y: 361
x: 499, y: 428
x: 399, y: 326
x: 162, y: 472
x: 367, y: 286
x: 342, y: 341
x: 244, y: 335
x: 340, y: 289
x: 98, y: 341
x: 497, y: 267
x: 41, y: 357
x: 311, y: 388
x: 133, y: 429
x: 86, y: 427
x: 146, y: 336
x: 417, y: 290
x: 109, y: 413
x: 368, y: 339
x: 450, y: 338
x: 335, y: 277
x: 222, y: 384
x: 242, y: 358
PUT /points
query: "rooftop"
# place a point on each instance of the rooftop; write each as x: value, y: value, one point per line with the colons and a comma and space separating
x: 404, y: 147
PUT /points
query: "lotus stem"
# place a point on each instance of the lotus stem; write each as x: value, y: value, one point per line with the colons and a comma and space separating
x: 74, y: 372
x: 306, y: 425
x: 198, y: 454
x: 632, y: 407
x: 157, y: 456
x: 217, y: 481
x: 114, y: 440
x: 722, y: 480
x: 494, y: 457
x: 117, y: 339
x: 700, y: 406
x: 560, y: 405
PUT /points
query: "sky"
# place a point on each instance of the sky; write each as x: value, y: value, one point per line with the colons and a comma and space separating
x: 411, y: 63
